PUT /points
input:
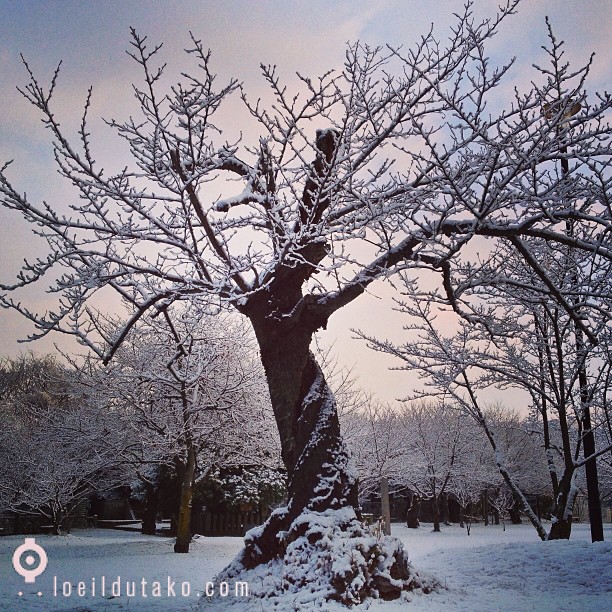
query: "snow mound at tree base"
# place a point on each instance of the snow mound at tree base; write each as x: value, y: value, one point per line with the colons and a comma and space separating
x: 328, y: 556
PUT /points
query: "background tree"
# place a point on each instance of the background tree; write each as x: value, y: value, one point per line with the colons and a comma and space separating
x: 463, y: 365
x: 521, y: 448
x: 189, y: 385
x: 373, y: 434
x: 409, y: 167
x: 435, y: 442
x: 535, y: 303
x: 60, y: 444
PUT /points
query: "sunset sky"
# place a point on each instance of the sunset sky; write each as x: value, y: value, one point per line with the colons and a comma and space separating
x: 310, y: 37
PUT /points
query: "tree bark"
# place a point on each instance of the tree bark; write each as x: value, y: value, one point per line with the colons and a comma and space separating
x: 385, y: 510
x: 57, y: 525
x: 515, y: 510
x: 149, y: 515
x: 445, y: 510
x: 592, y: 480
x: 412, y: 515
x: 561, y: 528
x: 323, y: 502
x: 321, y: 476
x: 435, y: 504
x: 183, y: 526
x: 588, y: 442
x: 322, y: 483
x: 485, y: 507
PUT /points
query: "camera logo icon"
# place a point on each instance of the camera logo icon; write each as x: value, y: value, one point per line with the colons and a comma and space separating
x: 30, y: 560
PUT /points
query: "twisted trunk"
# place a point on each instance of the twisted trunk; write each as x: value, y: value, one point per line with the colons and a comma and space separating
x: 318, y: 537
x: 321, y: 475
x: 321, y: 524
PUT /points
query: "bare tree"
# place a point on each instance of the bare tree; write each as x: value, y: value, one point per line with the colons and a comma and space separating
x: 373, y: 436
x: 534, y: 303
x: 188, y: 383
x: 436, y: 441
x: 409, y: 167
x: 59, y: 445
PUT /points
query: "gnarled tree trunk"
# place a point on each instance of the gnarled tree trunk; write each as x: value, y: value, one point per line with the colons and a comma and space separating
x: 321, y: 476
x: 321, y: 522
x: 318, y: 540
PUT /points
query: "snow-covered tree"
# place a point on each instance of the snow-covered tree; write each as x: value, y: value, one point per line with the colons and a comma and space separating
x: 250, y: 485
x: 527, y: 308
x: 188, y: 384
x: 467, y: 493
x: 601, y: 406
x: 522, y: 449
x: 373, y: 435
x: 409, y: 164
x: 436, y: 441
x: 459, y: 367
x: 59, y: 445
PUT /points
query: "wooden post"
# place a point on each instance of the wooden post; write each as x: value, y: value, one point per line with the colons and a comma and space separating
x: 485, y: 506
x: 386, y: 513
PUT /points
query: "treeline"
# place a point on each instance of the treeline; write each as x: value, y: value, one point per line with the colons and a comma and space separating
x: 184, y: 400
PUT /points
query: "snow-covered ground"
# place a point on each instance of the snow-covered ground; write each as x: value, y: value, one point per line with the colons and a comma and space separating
x: 490, y: 570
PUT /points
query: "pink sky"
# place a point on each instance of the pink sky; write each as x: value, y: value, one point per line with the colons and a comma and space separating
x: 90, y: 38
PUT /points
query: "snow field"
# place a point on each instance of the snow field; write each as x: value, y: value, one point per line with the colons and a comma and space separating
x: 489, y: 570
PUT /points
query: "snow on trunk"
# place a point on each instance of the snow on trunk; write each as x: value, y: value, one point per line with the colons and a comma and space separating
x: 561, y: 527
x: 317, y: 547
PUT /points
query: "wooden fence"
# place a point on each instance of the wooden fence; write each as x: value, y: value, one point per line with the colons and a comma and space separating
x: 226, y: 523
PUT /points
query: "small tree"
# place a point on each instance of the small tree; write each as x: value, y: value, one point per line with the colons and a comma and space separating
x: 466, y: 492
x: 502, y: 501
